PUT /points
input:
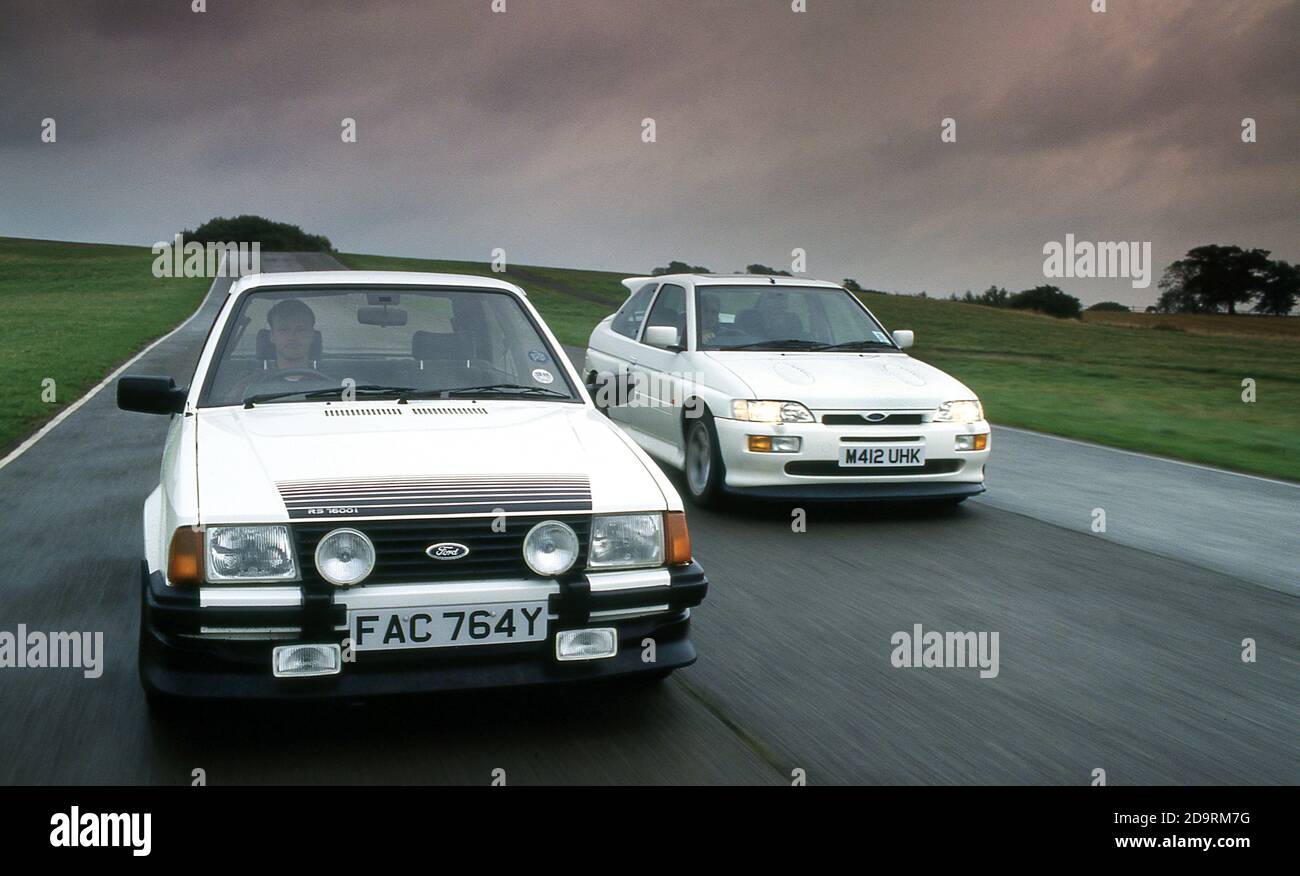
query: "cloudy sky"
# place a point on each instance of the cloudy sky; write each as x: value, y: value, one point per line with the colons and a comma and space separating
x: 774, y: 129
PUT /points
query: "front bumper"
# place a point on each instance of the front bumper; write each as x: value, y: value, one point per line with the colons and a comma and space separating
x: 814, y: 471
x: 204, y: 644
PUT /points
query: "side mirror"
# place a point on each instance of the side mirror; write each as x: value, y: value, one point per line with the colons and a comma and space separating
x: 661, y: 336
x: 150, y: 395
x: 904, y: 338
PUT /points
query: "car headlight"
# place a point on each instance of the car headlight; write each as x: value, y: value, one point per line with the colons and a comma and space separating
x: 551, y: 548
x: 770, y: 411
x: 626, y: 541
x: 968, y: 411
x: 250, y: 553
x: 345, y: 557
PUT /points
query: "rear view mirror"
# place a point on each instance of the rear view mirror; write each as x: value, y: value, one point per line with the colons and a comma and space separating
x: 151, y: 395
x: 661, y: 336
x: 904, y: 338
x: 385, y: 316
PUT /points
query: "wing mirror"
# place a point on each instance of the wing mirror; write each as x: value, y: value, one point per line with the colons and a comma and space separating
x: 151, y: 395
x: 662, y: 336
x: 904, y: 338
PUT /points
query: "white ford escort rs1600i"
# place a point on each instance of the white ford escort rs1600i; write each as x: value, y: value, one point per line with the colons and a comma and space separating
x: 388, y: 482
x: 783, y: 388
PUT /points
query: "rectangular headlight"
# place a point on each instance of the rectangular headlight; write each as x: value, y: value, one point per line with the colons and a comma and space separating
x: 965, y: 411
x: 626, y: 541
x: 770, y: 411
x: 250, y: 553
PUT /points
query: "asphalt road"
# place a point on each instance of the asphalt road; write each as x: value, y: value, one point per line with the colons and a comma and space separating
x: 1118, y: 651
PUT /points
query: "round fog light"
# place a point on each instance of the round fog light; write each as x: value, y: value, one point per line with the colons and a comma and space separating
x: 345, y: 557
x: 551, y: 548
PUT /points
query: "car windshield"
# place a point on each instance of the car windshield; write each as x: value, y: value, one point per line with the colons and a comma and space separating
x: 316, y: 344
x: 785, y: 318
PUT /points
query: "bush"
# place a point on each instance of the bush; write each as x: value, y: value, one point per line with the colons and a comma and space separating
x: 1111, y: 307
x: 1049, y: 300
x: 277, y: 236
x: 676, y: 267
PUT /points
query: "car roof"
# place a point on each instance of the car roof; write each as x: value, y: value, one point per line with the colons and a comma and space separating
x: 730, y: 280
x: 371, y: 278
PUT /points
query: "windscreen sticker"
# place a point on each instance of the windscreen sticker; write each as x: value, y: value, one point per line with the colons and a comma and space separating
x: 537, y: 355
x: 541, y: 375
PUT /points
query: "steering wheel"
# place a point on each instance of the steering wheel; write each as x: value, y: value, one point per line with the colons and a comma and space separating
x: 293, y: 375
x: 280, y: 380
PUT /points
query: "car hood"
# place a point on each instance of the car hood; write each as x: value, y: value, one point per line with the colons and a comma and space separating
x: 316, y: 461
x: 844, y: 381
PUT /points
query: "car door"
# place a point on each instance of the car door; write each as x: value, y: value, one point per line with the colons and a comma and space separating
x: 619, y: 348
x: 656, y: 373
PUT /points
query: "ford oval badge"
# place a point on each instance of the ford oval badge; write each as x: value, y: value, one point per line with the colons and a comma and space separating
x: 447, y: 550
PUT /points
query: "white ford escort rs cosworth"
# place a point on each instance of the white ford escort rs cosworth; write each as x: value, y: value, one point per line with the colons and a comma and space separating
x: 783, y: 388
x: 391, y: 482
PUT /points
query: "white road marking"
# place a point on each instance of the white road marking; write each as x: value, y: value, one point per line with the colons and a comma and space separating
x: 72, y: 408
x: 1150, y: 456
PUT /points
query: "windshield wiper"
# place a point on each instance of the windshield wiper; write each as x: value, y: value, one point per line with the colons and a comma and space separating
x: 330, y: 392
x: 849, y: 345
x: 485, y: 389
x: 783, y: 343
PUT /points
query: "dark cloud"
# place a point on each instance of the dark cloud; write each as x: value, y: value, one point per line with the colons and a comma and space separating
x: 775, y: 130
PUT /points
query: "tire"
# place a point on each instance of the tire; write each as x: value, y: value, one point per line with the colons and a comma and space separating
x: 703, y: 466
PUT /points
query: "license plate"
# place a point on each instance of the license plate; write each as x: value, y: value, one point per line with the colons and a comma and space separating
x: 445, y: 626
x: 882, y: 455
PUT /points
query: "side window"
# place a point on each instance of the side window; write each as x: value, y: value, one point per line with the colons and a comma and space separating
x: 628, y: 319
x: 670, y: 310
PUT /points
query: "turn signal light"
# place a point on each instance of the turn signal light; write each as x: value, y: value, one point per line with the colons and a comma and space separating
x: 185, y: 558
x: 677, y: 539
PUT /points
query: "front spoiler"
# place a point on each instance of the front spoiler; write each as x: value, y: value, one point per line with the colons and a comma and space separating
x: 176, y: 662
x: 859, y: 492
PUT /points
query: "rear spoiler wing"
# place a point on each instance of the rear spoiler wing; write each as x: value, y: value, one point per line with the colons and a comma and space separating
x: 635, y: 283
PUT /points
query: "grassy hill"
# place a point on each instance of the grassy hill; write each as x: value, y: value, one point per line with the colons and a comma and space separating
x: 73, y: 311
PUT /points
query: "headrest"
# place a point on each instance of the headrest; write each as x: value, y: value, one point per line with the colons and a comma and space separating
x: 440, y: 345
x: 266, y: 349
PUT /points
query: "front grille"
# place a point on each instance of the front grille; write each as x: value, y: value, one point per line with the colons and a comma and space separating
x: 833, y: 469
x: 860, y: 420
x: 400, y: 546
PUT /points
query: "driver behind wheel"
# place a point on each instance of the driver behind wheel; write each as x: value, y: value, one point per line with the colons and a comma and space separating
x: 292, y: 333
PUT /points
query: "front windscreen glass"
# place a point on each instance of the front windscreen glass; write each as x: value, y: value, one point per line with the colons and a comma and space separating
x: 289, y: 345
x: 785, y: 318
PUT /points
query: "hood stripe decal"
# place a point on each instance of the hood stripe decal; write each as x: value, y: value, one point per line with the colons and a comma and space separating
x: 441, y: 496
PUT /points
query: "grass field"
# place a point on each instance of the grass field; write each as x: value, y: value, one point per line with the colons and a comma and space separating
x: 1212, y: 324
x: 72, y: 312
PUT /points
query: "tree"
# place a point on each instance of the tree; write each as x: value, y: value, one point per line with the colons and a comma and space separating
x: 766, y: 271
x: 279, y: 236
x: 1111, y: 306
x: 1281, y: 289
x: 1049, y: 300
x: 852, y: 285
x: 1213, y: 277
x: 676, y: 267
